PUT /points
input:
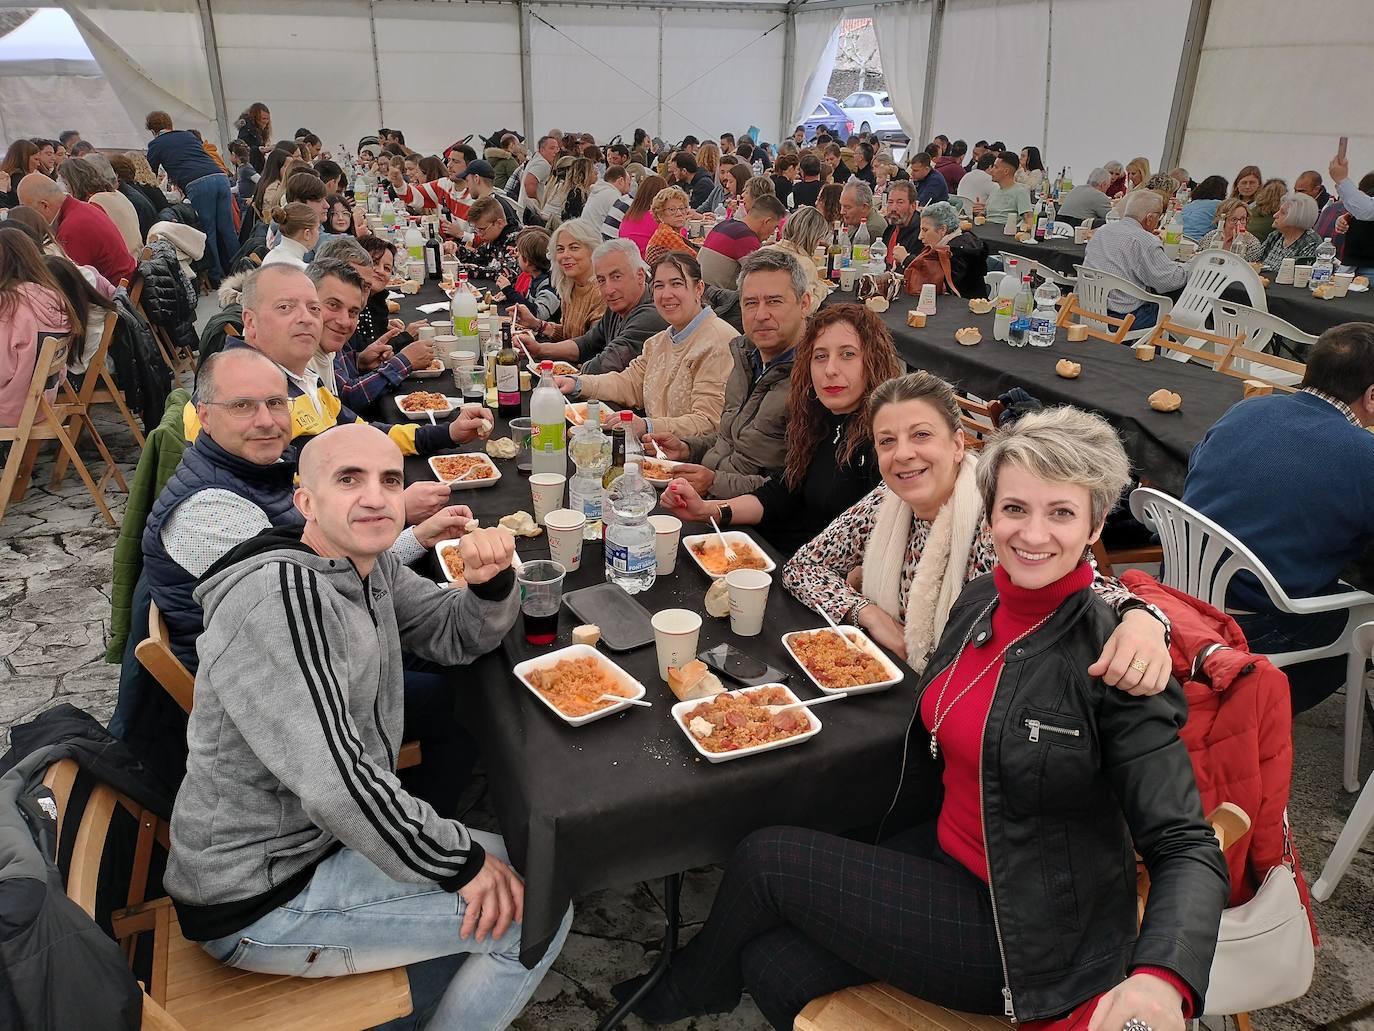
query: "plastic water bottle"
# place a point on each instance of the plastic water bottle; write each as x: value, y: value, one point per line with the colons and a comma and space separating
x: 1042, y: 320
x: 548, y: 446
x: 1006, y: 298
x: 630, y: 560
x: 415, y: 243
x: 1173, y: 236
x: 757, y: 167
x: 877, y: 257
x: 360, y: 190
x: 846, y: 249
x: 590, y: 449
x: 1325, y: 265
x: 1023, y: 306
x: 862, y: 242
x: 463, y: 307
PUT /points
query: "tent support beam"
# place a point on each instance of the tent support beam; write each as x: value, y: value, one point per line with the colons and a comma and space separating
x: 1193, y: 38
x: 789, y: 68
x: 834, y: 5
x: 937, y: 27
x: 1049, y: 78
x: 526, y: 77
x: 376, y: 61
x: 207, y: 32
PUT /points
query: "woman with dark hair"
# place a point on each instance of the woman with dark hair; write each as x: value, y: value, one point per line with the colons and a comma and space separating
x: 270, y: 183
x: 19, y: 161
x: 639, y: 223
x: 32, y: 305
x: 846, y: 353
x: 255, y: 130
x: 1031, y: 174
x: 581, y: 179
x: 1200, y: 212
x: 338, y: 218
x: 124, y: 173
x: 91, y: 297
x: 32, y: 222
x: 828, y: 202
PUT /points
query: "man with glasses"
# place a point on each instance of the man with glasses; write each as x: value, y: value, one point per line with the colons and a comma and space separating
x: 493, y: 236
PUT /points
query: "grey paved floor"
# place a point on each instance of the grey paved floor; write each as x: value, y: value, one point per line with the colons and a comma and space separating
x: 55, y: 574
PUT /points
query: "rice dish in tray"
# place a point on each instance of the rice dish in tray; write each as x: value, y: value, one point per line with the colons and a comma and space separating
x: 835, y: 664
x: 729, y: 722
x: 575, y: 686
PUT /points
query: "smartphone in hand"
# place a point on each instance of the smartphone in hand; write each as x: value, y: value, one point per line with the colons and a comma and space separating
x: 1340, y: 147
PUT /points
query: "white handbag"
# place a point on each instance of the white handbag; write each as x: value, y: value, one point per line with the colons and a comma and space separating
x: 1264, y: 951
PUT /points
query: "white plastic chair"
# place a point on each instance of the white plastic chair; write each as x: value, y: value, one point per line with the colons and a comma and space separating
x: 1201, y: 557
x: 1213, y: 271
x: 1094, y: 285
x: 964, y: 204
x: 1037, y: 268
x: 1231, y: 319
x: 1361, y: 820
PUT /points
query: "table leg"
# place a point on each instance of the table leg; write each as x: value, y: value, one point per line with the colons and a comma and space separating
x: 672, y: 889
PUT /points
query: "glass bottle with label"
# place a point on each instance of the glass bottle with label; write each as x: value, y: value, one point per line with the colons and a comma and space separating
x: 507, y: 377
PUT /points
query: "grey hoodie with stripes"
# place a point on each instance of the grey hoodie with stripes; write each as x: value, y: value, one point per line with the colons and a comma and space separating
x: 297, y: 722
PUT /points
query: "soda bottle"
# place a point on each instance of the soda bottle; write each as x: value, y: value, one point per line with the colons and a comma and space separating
x: 862, y: 242
x: 548, y: 449
x: 463, y: 307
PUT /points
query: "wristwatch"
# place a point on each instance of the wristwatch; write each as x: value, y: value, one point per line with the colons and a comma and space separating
x: 1131, y: 604
x: 725, y: 515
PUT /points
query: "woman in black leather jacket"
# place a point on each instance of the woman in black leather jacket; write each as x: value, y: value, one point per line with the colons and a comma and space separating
x: 1020, y: 897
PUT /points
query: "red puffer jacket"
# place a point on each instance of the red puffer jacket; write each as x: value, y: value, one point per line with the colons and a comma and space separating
x: 1239, y: 731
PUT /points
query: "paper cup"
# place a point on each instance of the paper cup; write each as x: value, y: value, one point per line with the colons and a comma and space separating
x: 748, y: 598
x: 667, y: 531
x: 1342, y: 281
x: 1186, y: 249
x: 547, y: 492
x: 565, y: 527
x: 1081, y: 234
x: 1012, y: 224
x: 848, y: 277
x: 1285, y: 274
x: 427, y: 333
x: 675, y: 637
x: 1302, y: 275
x: 926, y: 304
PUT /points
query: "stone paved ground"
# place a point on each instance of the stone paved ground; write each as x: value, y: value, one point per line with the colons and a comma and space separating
x: 55, y: 574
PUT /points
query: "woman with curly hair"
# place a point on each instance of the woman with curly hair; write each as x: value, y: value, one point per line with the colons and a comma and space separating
x: 671, y: 208
x: 255, y: 129
x: 846, y: 353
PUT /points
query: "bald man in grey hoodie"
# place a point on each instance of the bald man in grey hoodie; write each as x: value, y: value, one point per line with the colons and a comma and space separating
x: 295, y: 850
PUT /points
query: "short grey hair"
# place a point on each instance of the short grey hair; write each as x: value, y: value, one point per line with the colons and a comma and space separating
x: 1059, y: 445
x: 943, y: 214
x: 579, y: 229
x: 860, y: 190
x: 1099, y: 177
x: 773, y: 259
x: 626, y: 247
x: 344, y: 248
x: 1115, y: 168
x: 1141, y: 204
x: 788, y: 146
x: 1302, y: 210
x: 102, y: 165
x: 207, y: 390
x: 248, y: 299
x: 322, y: 268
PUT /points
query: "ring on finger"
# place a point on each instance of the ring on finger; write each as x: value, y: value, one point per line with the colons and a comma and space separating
x: 1140, y: 665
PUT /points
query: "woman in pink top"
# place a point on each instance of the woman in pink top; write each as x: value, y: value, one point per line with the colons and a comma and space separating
x: 639, y: 223
x: 31, y: 306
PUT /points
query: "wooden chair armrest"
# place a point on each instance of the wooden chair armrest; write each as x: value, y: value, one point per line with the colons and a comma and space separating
x: 408, y: 756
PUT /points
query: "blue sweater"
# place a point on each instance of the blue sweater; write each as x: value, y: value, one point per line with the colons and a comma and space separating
x: 1294, y: 480
x: 182, y: 155
x: 1198, y: 218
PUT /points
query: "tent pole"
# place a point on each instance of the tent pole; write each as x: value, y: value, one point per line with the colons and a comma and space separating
x: 207, y: 32
x: 526, y: 79
x: 937, y: 26
x: 1049, y: 78
x: 659, y: 94
x: 789, y: 68
x: 1193, y: 38
x: 376, y: 62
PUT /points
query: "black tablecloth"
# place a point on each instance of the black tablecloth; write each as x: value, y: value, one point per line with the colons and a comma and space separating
x: 1292, y: 304
x: 626, y: 798
x: 1113, y: 382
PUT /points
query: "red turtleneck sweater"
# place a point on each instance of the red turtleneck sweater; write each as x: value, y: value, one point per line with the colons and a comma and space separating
x: 960, y: 826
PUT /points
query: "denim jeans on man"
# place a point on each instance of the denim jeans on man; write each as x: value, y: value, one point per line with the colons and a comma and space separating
x: 1270, y: 633
x: 209, y: 195
x: 1145, y: 316
x: 351, y: 917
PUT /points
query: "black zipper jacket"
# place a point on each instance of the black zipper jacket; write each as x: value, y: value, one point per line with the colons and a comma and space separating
x: 1076, y: 778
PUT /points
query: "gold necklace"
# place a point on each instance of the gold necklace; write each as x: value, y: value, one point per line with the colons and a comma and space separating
x: 940, y: 717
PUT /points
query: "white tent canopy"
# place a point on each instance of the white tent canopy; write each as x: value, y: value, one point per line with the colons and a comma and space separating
x: 1085, y: 80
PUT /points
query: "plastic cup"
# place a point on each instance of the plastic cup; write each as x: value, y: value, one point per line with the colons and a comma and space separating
x: 667, y: 531
x: 1285, y: 275
x: 675, y: 637
x: 547, y: 491
x: 565, y: 527
x: 471, y: 344
x: 1342, y: 281
x: 1081, y: 233
x: 1011, y: 225
x: 541, y: 593
x: 1302, y: 275
x: 748, y: 598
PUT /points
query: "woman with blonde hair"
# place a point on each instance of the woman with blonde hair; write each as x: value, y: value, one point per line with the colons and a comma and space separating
x: 708, y: 159
x: 803, y: 232
x: 146, y: 180
x: 299, y: 225
x: 1264, y: 207
x: 671, y: 209
x: 581, y: 304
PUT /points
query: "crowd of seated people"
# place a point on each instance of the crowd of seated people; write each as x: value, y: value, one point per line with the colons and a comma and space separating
x: 782, y: 413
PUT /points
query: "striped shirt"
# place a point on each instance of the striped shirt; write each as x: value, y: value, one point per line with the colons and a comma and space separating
x: 1129, y: 250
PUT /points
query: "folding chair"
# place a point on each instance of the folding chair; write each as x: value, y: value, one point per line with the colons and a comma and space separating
x: 98, y: 387
x: 1260, y: 330
x: 1213, y: 352
x: 188, y: 989
x: 41, y: 420
x: 1038, y: 268
x: 1094, y: 285
x: 1118, y: 327
x: 978, y: 420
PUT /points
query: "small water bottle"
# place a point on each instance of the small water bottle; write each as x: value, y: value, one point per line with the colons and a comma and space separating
x: 1325, y: 265
x: 630, y: 558
x: 1042, y: 319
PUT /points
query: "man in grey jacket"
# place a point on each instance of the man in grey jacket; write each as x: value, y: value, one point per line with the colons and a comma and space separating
x: 295, y: 850
x: 751, y: 444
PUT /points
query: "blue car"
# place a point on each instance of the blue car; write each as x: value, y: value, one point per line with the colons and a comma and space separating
x: 831, y: 117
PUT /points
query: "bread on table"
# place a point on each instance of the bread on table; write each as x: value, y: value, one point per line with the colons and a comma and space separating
x: 694, y: 680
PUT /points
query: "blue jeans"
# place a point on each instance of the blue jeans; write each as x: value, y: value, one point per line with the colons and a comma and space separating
x: 352, y: 917
x: 1145, y: 316
x: 1309, y: 683
x: 209, y: 195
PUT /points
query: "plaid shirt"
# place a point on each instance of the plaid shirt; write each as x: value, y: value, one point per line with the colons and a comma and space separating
x: 1337, y: 404
x: 359, y: 390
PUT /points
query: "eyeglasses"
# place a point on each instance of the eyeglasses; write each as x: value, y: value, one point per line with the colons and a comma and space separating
x: 247, y: 407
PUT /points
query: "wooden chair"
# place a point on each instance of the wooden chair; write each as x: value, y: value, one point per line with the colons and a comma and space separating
x: 155, y: 654
x: 880, y: 1007
x: 978, y: 420
x: 41, y: 420
x: 188, y: 989
x: 1176, y: 340
x: 98, y: 387
x: 1267, y: 370
x: 1117, y: 327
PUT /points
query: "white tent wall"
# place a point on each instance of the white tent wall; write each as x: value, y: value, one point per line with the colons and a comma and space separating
x: 903, y: 32
x: 722, y: 73
x: 1277, y: 84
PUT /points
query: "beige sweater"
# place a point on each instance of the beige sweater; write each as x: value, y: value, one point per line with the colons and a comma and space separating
x: 680, y: 387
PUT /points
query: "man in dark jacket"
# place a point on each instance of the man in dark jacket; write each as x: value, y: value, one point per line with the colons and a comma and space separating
x: 903, y: 224
x: 692, y: 178
x: 206, y: 186
x: 630, y: 318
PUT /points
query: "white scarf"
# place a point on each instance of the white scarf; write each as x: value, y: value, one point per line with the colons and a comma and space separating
x: 940, y: 572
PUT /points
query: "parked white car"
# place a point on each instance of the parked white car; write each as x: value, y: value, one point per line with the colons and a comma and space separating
x: 872, y: 112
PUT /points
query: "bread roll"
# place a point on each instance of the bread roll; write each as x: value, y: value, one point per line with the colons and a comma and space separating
x: 693, y: 681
